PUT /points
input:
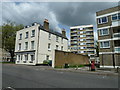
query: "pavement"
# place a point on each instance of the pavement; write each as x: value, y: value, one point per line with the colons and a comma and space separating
x: 98, y: 71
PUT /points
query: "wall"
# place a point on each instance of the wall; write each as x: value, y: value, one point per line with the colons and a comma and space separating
x: 43, y: 46
x: 62, y: 57
x: 30, y: 51
x: 107, y: 59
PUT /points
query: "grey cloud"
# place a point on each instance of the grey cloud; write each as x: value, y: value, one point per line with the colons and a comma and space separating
x: 66, y: 13
x: 78, y: 13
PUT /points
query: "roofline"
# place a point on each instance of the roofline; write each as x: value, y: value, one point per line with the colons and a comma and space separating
x: 40, y: 28
x: 108, y: 8
x: 82, y: 26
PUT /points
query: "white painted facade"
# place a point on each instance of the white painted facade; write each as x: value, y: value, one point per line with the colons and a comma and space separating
x: 41, y: 40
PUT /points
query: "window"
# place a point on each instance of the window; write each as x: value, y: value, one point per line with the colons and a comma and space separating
x: 26, y: 57
x: 26, y: 45
x: 61, y: 40
x: 21, y: 57
x: 32, y: 44
x: 105, y: 44
x: 116, y: 16
x: 19, y: 46
x: 32, y: 57
x: 49, y: 48
x: 33, y: 33
x: 102, y: 20
x: 104, y: 32
x: 18, y: 57
x: 20, y: 37
x: 116, y: 35
x: 119, y: 16
x: 81, y: 39
x: 49, y: 36
x: 47, y: 57
x: 56, y: 38
x: 56, y: 47
x: 62, y: 48
x: 26, y: 35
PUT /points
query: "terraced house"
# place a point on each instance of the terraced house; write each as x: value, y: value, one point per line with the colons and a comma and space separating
x: 82, y: 40
x: 37, y: 43
x: 108, y: 24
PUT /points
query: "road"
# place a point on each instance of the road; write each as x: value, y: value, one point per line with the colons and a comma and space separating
x: 22, y: 76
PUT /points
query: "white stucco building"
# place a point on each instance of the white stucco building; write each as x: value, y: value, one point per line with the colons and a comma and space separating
x: 37, y: 43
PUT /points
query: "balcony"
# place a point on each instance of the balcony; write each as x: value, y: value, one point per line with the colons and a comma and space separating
x: 89, y: 33
x: 117, y: 49
x: 116, y: 36
x: 89, y: 29
x: 90, y: 45
x: 90, y: 37
x: 74, y: 42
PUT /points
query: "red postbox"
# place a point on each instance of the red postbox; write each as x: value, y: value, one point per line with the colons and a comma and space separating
x: 92, y: 66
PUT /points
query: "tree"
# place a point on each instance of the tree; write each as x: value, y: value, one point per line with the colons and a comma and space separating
x: 8, y: 37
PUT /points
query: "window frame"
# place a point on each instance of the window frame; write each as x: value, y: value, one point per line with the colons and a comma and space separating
x: 26, y: 35
x: 49, y: 47
x: 49, y: 36
x: 103, y: 44
x: 57, y: 47
x: 33, y: 34
x: 26, y: 45
x: 32, y: 43
x: 20, y: 36
x: 33, y: 57
x: 101, y: 20
x: 57, y: 39
x: 101, y: 30
x: 117, y: 15
x: 19, y: 47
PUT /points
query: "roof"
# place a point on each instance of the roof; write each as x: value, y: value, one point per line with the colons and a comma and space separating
x: 82, y: 26
x: 52, y: 32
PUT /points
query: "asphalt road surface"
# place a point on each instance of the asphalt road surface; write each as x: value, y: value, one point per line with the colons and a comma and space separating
x: 21, y: 76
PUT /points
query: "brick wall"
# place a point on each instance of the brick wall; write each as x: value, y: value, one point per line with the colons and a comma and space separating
x: 62, y: 57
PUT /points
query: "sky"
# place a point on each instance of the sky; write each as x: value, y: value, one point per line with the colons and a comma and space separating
x: 60, y: 14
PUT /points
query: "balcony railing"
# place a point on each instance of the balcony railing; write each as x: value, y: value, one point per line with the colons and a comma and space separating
x: 116, y: 35
x: 117, y: 49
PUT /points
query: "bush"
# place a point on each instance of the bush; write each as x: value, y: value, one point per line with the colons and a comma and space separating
x: 74, y: 66
x: 48, y: 62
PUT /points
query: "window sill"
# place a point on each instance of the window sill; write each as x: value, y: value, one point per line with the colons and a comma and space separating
x: 32, y: 36
x: 105, y: 47
x: 49, y: 49
x: 26, y: 37
x: 116, y: 20
x: 103, y: 23
x: 104, y: 35
x: 24, y: 61
x: 30, y: 61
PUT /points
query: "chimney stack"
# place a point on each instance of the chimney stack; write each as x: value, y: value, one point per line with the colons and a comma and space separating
x: 46, y: 24
x: 63, y: 32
